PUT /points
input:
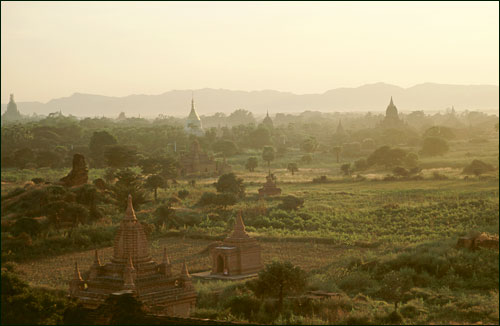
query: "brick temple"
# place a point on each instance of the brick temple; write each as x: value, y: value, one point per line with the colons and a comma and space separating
x: 132, y: 270
x: 239, y: 254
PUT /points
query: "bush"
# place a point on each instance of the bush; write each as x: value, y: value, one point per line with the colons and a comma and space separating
x: 433, y: 146
x: 477, y: 168
x: 320, y: 179
x: 224, y: 199
x: 439, y: 176
x: 306, y: 159
x: 183, y: 194
x: 37, y: 180
x: 400, y: 172
x: 291, y: 202
x: 229, y: 183
x: 244, y: 306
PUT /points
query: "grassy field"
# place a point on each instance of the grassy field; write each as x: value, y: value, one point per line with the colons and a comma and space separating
x: 405, y: 226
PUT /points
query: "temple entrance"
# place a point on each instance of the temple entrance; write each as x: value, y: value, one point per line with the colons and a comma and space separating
x: 220, y: 264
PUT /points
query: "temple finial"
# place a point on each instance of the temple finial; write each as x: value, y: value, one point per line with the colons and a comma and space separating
x: 184, y: 270
x: 97, y: 261
x: 166, y: 260
x: 391, y: 102
x: 77, y: 275
x: 130, y: 213
x: 130, y: 263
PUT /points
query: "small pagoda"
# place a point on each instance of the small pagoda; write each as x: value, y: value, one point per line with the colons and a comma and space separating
x: 133, y: 271
x: 239, y: 254
x: 269, y: 188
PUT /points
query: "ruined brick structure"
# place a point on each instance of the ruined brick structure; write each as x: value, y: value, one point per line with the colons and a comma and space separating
x: 79, y: 173
x: 132, y: 269
x: 269, y: 188
x: 239, y: 254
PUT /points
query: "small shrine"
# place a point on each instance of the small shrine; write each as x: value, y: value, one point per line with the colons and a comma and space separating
x: 238, y: 255
x: 132, y: 270
x: 269, y: 188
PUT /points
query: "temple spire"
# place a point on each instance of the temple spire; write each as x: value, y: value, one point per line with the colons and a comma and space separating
x: 166, y: 260
x: 130, y: 213
x: 77, y: 275
x: 239, y: 227
x: 97, y: 261
x: 391, y: 102
x: 192, y: 100
x: 184, y: 270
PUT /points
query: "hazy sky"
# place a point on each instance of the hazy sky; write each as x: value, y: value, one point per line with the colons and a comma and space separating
x: 53, y: 49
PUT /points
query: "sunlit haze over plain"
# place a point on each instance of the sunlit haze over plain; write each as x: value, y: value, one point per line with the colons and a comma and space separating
x: 53, y: 49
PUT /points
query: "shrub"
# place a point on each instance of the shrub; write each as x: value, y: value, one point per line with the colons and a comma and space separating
x: 433, y: 146
x: 229, y: 183
x: 477, y: 168
x: 37, y: 180
x: 400, y: 172
x: 291, y: 202
x: 306, y: 159
x: 224, y: 199
x: 438, y: 176
x: 182, y: 194
x: 321, y: 179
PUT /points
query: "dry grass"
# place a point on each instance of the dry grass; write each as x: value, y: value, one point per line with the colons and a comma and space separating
x: 55, y: 272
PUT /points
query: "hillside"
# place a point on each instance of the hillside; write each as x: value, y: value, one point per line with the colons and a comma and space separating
x: 372, y: 97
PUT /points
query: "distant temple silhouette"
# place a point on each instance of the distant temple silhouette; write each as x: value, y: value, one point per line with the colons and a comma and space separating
x: 193, y: 122
x: 391, y: 119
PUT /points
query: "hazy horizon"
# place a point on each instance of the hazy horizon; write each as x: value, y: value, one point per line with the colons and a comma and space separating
x: 53, y: 50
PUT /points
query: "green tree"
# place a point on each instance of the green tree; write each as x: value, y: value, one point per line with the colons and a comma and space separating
x: 23, y: 156
x: 268, y: 155
x: 292, y: 167
x: 154, y: 182
x: 386, y: 156
x: 346, y: 168
x: 259, y: 137
x: 229, y: 183
x: 433, y: 146
x: 477, y: 168
x: 279, y: 280
x: 47, y: 159
x: 21, y: 305
x: 123, y: 309
x: 165, y: 215
x: 98, y: 141
x: 400, y: 172
x: 309, y: 145
x: 337, y: 150
x: 166, y: 166
x: 251, y: 164
x: 290, y: 203
x: 118, y: 156
x: 226, y: 147
x: 440, y: 132
x: 128, y: 182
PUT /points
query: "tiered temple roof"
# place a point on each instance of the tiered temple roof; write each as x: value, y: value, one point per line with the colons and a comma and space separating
x: 132, y: 269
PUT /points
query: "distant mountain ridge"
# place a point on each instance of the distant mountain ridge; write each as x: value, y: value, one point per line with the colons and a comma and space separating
x: 370, y: 97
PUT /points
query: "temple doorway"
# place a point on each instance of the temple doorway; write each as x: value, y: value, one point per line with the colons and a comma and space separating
x: 220, y: 264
